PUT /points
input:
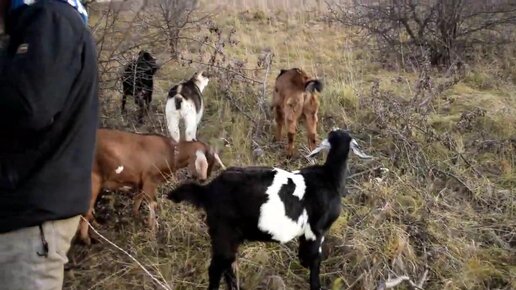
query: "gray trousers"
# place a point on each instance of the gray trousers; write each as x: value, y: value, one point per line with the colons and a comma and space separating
x: 24, y: 262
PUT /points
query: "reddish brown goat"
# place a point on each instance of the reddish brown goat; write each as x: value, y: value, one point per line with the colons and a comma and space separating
x: 143, y: 162
x: 296, y: 94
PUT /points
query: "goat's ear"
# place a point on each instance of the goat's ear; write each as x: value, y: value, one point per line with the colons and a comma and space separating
x: 201, y: 165
x: 198, y: 74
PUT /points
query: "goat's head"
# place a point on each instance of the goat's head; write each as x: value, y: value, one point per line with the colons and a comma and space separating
x: 201, y: 80
x: 338, y: 138
x: 203, y: 161
x: 145, y: 57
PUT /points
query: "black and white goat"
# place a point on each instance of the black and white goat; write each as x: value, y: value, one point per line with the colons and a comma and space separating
x: 185, y: 101
x: 271, y: 204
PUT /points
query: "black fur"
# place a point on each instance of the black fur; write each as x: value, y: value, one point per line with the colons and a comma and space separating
x: 189, y: 91
x: 293, y: 206
x: 313, y: 86
x: 138, y: 81
x: 178, y: 102
x: 282, y: 71
x: 191, y: 193
x: 233, y: 199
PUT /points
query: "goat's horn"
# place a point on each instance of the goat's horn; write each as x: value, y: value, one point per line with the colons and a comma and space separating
x: 356, y: 149
x: 325, y: 145
x: 219, y: 161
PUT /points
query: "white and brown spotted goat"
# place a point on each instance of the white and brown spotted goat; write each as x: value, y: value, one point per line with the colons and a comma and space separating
x: 185, y: 101
x: 143, y: 162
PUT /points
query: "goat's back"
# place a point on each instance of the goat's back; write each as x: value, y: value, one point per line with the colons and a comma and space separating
x: 120, y: 153
x: 291, y: 88
x: 137, y: 76
x: 241, y: 189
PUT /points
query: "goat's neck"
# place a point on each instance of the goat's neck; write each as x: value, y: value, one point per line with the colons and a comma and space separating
x: 181, y: 161
x: 336, y: 166
x: 200, y: 85
x: 169, y: 159
x: 183, y: 156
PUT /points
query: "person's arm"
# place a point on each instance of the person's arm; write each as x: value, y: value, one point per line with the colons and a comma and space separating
x: 35, y: 82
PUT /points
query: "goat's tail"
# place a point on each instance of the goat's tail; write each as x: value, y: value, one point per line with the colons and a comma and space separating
x: 178, y: 99
x: 314, y: 85
x: 190, y: 192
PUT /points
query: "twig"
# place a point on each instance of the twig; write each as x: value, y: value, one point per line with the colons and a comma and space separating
x: 234, y: 104
x: 223, y: 68
x: 391, y: 283
x: 355, y: 282
x: 423, y: 279
x: 164, y: 286
x: 470, y: 165
x: 363, y: 172
x: 454, y: 177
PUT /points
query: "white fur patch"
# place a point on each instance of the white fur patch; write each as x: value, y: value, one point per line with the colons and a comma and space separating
x: 320, y: 246
x: 186, y: 112
x: 200, y: 162
x: 273, y: 219
x: 119, y: 169
x: 201, y: 82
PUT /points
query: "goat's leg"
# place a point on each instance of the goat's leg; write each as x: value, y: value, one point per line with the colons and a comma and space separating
x: 172, y: 116
x: 138, y: 201
x: 231, y: 279
x: 218, y: 266
x: 291, y: 127
x: 224, y: 248
x: 147, y: 104
x: 280, y: 122
x: 96, y: 185
x: 124, y: 100
x: 191, y: 126
x: 310, y: 257
x: 311, y: 129
x: 141, y: 107
x: 149, y: 191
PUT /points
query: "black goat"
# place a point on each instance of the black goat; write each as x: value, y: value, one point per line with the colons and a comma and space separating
x: 270, y: 204
x: 138, y: 81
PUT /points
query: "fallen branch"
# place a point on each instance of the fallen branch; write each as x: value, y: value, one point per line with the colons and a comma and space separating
x: 454, y: 177
x: 391, y: 283
x: 364, y: 172
x: 163, y: 285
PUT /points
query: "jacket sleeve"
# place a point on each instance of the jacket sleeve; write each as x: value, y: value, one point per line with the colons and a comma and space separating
x: 35, y: 81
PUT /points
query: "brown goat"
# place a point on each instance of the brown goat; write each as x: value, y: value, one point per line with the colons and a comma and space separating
x: 142, y: 162
x: 295, y: 95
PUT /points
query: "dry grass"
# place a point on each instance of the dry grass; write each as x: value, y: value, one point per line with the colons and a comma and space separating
x: 447, y: 205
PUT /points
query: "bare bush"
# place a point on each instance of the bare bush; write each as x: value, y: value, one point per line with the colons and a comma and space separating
x: 172, y: 20
x: 444, y: 28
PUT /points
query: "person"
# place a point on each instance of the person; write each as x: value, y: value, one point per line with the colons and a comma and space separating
x: 48, y: 123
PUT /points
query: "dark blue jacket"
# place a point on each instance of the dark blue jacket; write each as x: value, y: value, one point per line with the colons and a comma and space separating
x: 48, y: 115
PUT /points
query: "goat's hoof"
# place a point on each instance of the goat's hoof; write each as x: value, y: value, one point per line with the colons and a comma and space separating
x: 291, y: 155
